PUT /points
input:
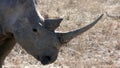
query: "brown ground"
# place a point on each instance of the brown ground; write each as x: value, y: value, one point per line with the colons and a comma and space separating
x: 97, y: 48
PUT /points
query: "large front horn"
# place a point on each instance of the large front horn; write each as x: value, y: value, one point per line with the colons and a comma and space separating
x: 66, y: 37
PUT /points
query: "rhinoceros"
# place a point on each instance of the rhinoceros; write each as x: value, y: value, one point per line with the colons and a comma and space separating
x: 20, y: 22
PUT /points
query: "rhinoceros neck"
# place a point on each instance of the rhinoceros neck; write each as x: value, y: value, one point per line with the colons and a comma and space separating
x: 8, y: 24
x: 12, y: 14
x: 9, y: 13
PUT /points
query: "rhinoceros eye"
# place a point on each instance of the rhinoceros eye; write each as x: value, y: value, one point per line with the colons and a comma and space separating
x: 34, y: 30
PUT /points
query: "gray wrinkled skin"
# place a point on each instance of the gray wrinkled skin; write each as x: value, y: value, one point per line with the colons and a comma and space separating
x: 21, y: 23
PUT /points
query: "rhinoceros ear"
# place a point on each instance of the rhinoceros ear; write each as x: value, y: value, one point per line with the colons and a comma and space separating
x: 52, y: 24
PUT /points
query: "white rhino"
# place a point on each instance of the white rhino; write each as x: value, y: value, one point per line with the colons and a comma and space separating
x: 21, y: 23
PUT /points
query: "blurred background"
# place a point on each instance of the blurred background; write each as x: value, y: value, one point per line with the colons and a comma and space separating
x: 97, y: 48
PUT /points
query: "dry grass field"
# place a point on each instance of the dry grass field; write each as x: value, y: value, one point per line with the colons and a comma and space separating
x: 97, y: 48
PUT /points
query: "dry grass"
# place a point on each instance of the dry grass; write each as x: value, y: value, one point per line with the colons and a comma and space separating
x: 97, y: 48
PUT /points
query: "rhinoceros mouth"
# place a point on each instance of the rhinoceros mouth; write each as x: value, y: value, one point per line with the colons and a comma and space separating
x: 44, y: 60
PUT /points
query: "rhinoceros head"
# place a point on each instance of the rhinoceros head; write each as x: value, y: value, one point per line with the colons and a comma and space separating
x: 38, y: 37
x: 41, y: 41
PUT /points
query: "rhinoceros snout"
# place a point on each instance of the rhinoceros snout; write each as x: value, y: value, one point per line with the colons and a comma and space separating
x: 46, y: 60
x: 47, y: 56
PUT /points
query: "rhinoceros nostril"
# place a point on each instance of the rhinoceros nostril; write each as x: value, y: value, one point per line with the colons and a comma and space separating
x: 45, y: 60
x: 34, y: 30
x: 48, y: 58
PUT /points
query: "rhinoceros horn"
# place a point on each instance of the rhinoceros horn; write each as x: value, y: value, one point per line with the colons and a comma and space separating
x: 66, y: 37
x: 52, y: 24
